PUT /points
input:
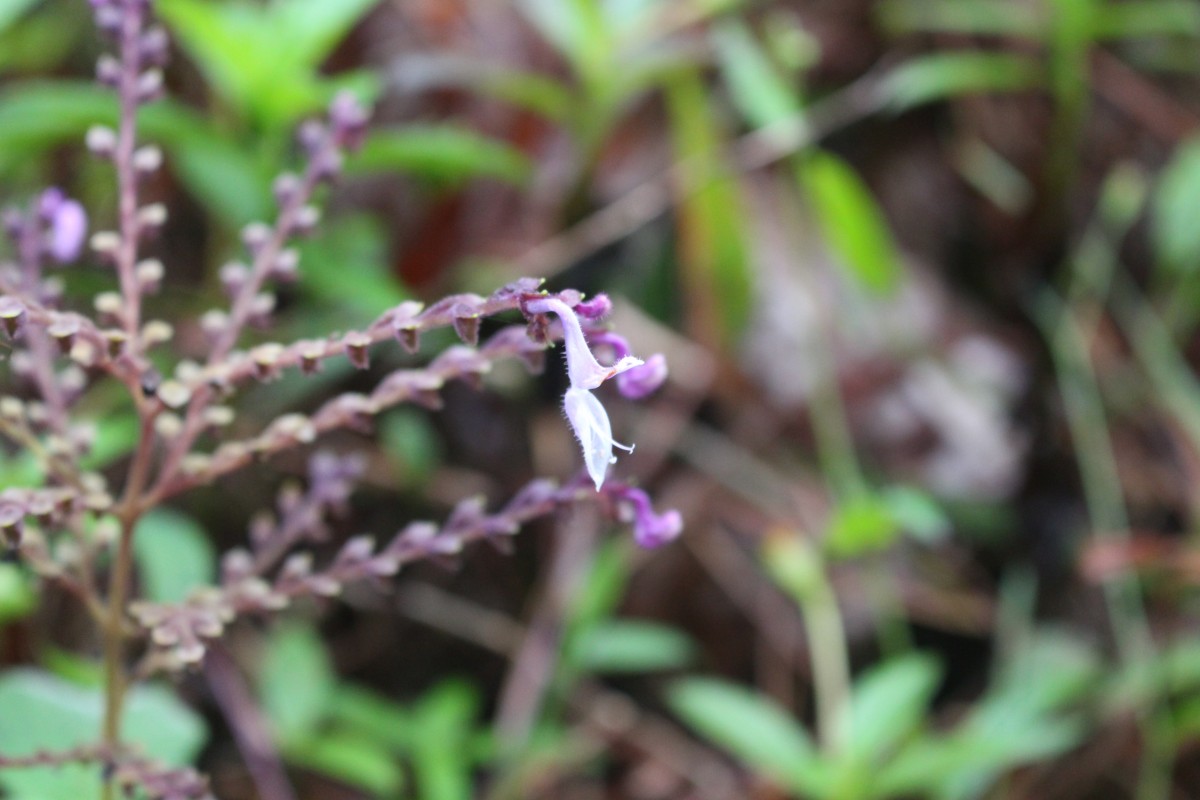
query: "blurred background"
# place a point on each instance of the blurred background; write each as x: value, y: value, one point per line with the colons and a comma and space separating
x: 926, y: 276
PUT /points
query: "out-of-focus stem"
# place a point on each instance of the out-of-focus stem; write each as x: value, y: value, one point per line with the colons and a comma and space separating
x: 127, y: 197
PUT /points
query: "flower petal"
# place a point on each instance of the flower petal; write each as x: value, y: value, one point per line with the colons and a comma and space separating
x: 592, y: 429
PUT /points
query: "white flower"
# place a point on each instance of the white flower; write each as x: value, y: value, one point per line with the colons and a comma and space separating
x: 586, y: 415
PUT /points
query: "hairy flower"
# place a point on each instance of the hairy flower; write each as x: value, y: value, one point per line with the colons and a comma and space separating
x: 587, y: 417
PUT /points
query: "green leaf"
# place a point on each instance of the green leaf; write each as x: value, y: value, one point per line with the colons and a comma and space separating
x: 1173, y: 224
x: 713, y: 251
x: 296, y: 681
x: 442, y: 760
x: 851, y: 221
x: 940, y: 76
x: 346, y: 266
x: 1147, y: 18
x: 174, y: 555
x: 755, y: 85
x: 116, y: 435
x: 11, y: 11
x: 411, y: 444
x: 372, y: 715
x: 444, y: 153
x: 312, y: 28
x: 916, y: 513
x: 889, y: 703
x: 859, y: 526
x: 752, y: 728
x: 35, y: 117
x: 354, y: 759
x: 973, y: 17
x: 236, y: 46
x: 218, y: 172
x: 603, y: 588
x: 40, y: 711
x: 626, y: 645
x: 230, y: 43
x: 579, y: 30
x: 39, y: 43
x: 18, y: 595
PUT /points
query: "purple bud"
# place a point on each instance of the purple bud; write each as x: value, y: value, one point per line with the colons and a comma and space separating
x: 287, y: 188
x: 349, y: 121
x: 108, y: 70
x: 597, y: 308
x: 154, y: 47
x: 614, y: 341
x: 649, y: 528
x: 644, y: 380
x: 311, y: 135
x: 68, y: 225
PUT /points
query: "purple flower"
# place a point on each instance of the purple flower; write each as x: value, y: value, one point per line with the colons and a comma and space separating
x: 638, y: 382
x: 587, y: 417
x: 67, y: 225
x: 650, y: 529
x: 597, y: 308
x: 644, y: 380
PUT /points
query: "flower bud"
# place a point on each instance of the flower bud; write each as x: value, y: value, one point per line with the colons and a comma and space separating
x: 101, y: 141
x: 147, y: 159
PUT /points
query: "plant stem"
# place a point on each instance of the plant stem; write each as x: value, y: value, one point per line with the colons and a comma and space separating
x: 128, y: 511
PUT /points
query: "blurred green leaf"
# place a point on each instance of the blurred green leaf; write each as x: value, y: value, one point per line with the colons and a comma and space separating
x: 851, y: 222
x: 1147, y: 18
x: 1023, y: 717
x: 76, y: 668
x: 40, y: 711
x: 236, y: 46
x: 888, y: 704
x: 373, y: 716
x: 916, y: 513
x: 939, y: 76
x: 753, y: 729
x: 603, y: 587
x: 37, y: 116
x: 1173, y: 224
x: 116, y: 435
x: 18, y: 594
x: 230, y: 43
x: 974, y: 17
x: 232, y: 185
x: 345, y: 265
x: 38, y: 43
x: 626, y: 645
x: 11, y: 11
x: 312, y: 28
x: 795, y: 566
x: 20, y: 469
x: 411, y: 443
x: 755, y: 85
x: 716, y: 261
x: 444, y: 153
x: 295, y: 681
x: 860, y: 525
x: 357, y: 760
x: 174, y: 555
x: 442, y: 760
x: 579, y: 30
